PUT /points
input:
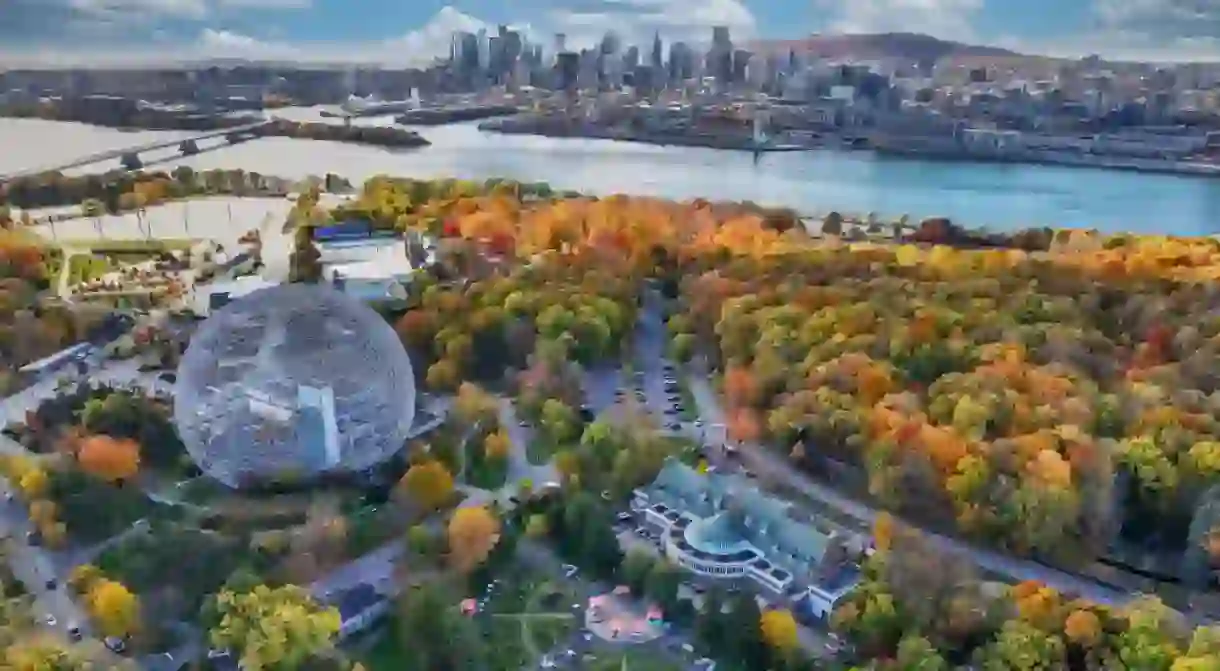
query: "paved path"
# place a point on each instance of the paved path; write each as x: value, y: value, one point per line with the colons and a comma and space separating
x: 33, y: 567
x: 519, y: 466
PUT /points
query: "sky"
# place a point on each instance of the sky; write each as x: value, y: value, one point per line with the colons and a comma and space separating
x: 411, y: 32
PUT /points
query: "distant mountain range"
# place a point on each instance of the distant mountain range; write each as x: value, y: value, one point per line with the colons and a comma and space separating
x: 907, y: 46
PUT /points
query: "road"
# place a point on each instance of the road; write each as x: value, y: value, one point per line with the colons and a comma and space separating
x: 769, y: 464
x: 33, y: 567
x: 374, y: 568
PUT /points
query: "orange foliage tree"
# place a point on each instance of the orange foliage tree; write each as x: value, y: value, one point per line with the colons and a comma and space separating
x: 112, y: 459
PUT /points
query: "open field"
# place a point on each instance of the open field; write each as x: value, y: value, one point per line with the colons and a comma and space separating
x: 171, y: 224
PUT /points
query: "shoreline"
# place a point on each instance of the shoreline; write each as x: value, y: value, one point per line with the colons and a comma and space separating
x: 722, y: 143
x: 1111, y: 163
x: 729, y: 143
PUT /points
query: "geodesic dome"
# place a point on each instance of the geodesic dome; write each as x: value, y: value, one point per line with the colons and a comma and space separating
x: 294, y: 381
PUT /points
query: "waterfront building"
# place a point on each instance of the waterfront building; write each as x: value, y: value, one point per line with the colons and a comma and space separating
x: 722, y: 527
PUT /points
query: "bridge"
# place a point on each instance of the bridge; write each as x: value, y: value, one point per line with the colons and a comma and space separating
x: 129, y: 157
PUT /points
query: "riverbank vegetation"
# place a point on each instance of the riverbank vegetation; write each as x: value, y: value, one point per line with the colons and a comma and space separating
x: 118, y: 191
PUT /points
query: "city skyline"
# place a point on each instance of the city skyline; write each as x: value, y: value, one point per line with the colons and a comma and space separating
x: 38, y: 32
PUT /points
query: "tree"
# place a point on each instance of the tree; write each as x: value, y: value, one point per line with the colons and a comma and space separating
x: 436, y: 635
x: 473, y: 533
x: 662, y: 585
x: 83, y: 577
x: 33, y: 482
x: 473, y: 404
x: 1083, y: 628
x: 443, y: 375
x: 428, y: 483
x: 273, y: 628
x: 113, y: 607
x: 1022, y: 647
x: 111, y: 459
x: 916, y: 653
x: 634, y: 570
x: 779, y: 630
x: 558, y: 420
x: 536, y: 526
x: 497, y: 445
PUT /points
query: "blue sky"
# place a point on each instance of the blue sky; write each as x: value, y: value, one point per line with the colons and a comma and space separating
x: 405, y: 31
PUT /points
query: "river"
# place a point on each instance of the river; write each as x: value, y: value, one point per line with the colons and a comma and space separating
x: 993, y: 195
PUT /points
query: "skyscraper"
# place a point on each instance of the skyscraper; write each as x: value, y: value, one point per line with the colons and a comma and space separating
x: 657, y: 56
x: 561, y: 44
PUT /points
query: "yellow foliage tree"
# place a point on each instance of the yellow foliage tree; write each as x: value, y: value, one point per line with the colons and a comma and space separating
x: 83, y: 577
x: 497, y: 446
x: 114, y: 608
x: 473, y: 533
x: 428, y: 483
x: 779, y: 629
x: 33, y: 483
x: 273, y: 628
x: 883, y: 531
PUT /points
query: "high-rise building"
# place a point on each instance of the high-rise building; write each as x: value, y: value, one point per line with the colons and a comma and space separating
x: 720, y: 37
x: 567, y: 67
x: 657, y: 60
x: 561, y: 44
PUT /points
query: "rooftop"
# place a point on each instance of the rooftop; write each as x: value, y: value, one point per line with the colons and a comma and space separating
x: 735, y: 516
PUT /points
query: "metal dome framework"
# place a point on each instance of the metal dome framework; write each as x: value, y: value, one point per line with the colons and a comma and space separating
x: 293, y: 381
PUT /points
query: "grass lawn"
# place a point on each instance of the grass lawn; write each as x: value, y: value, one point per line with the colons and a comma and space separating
x: 526, y: 619
x: 636, y: 660
x: 87, y: 267
x: 150, y: 247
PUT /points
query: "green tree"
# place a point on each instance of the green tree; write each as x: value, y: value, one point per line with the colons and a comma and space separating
x: 635, y: 569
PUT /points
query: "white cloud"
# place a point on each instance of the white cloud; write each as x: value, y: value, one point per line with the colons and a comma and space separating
x: 264, y: 4
x: 637, y: 20
x: 416, y: 47
x: 149, y: 9
x: 946, y: 19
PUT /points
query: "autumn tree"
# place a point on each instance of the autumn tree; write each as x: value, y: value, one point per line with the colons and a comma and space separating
x: 473, y: 533
x: 109, y: 458
x: 428, y: 483
x: 113, y: 607
x: 272, y: 628
x: 779, y: 630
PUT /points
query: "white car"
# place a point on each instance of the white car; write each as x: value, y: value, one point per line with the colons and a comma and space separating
x: 50, y: 620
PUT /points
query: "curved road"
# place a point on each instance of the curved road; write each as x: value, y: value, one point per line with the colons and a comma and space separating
x: 772, y: 465
x: 768, y: 463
